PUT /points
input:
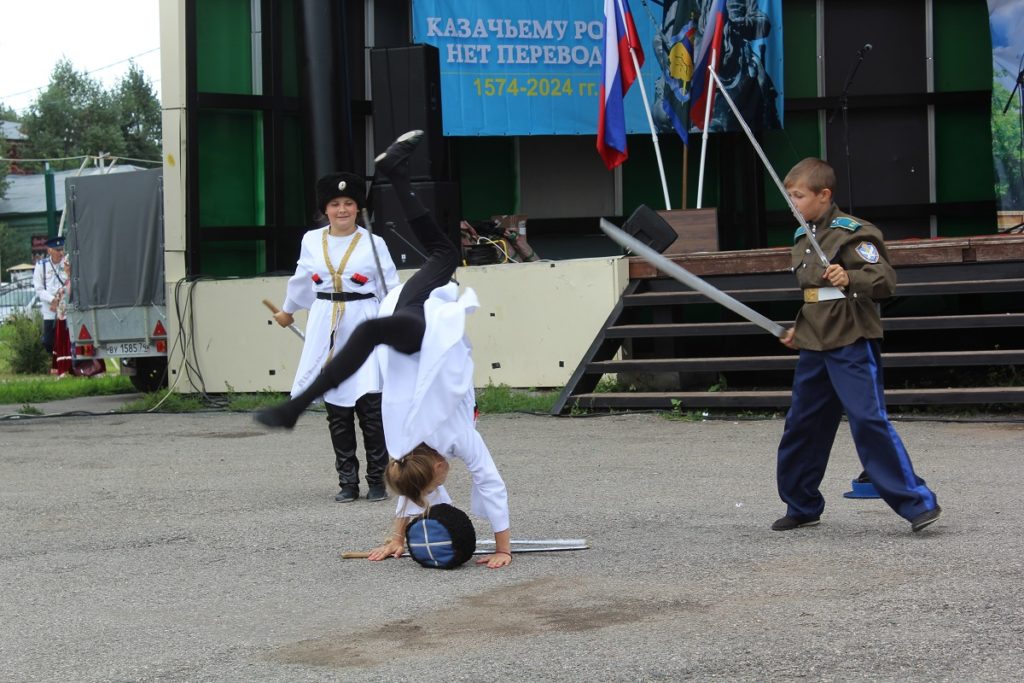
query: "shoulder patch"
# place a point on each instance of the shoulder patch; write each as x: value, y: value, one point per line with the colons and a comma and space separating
x: 800, y: 232
x: 868, y: 252
x: 846, y: 223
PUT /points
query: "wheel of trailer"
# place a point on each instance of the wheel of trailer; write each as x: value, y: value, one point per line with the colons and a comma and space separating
x: 150, y: 374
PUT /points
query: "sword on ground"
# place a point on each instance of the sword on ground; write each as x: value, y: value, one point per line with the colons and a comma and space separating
x: 274, y: 309
x: 684, y: 276
x: 518, y: 546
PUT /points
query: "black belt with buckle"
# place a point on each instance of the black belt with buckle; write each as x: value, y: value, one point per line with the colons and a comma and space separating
x: 344, y: 296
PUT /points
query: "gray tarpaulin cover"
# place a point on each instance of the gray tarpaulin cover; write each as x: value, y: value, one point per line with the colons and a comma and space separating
x: 115, y: 238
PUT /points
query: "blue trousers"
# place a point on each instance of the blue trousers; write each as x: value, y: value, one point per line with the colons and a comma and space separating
x: 825, y: 384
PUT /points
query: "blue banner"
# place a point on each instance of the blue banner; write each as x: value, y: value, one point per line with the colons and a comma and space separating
x: 529, y: 67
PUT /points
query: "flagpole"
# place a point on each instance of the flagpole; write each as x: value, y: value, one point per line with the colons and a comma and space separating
x: 771, y: 171
x: 647, y: 106
x: 710, y: 87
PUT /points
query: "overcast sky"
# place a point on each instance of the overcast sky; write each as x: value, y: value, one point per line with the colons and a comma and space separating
x: 98, y: 36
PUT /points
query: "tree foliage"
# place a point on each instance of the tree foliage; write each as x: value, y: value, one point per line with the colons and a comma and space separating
x: 138, y: 115
x: 74, y: 116
x: 6, y: 114
x: 15, y: 248
x: 1006, y: 150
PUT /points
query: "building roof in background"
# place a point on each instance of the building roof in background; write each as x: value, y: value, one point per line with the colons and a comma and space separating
x: 11, y: 130
x: 26, y: 194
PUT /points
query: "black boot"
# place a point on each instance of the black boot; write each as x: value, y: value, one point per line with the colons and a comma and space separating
x: 341, y: 422
x: 372, y: 426
x: 394, y: 164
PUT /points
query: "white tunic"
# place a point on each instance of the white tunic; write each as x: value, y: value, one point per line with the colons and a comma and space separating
x: 48, y: 278
x: 429, y: 398
x: 302, y: 291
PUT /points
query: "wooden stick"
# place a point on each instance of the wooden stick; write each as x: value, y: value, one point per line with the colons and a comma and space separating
x: 275, y: 310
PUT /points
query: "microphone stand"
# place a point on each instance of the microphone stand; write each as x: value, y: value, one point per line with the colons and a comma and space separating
x: 844, y: 106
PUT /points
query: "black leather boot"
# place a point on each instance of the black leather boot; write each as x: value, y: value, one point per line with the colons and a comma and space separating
x: 341, y: 422
x: 372, y: 426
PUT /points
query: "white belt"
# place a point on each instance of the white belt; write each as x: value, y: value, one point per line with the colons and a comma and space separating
x: 813, y: 295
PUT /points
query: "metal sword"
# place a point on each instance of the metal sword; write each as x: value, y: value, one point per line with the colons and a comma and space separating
x: 771, y: 171
x: 684, y: 276
x: 545, y: 546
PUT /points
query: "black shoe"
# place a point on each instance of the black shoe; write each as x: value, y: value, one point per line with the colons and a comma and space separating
x: 925, y: 518
x: 398, y: 152
x: 788, y: 523
x: 280, y: 417
x: 347, y: 494
x: 376, y: 492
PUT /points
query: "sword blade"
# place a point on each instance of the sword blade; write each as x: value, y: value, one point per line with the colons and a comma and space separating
x: 771, y: 171
x: 297, y: 331
x: 684, y: 276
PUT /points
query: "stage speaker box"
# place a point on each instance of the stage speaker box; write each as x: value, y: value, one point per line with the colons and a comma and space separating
x: 439, y: 197
x: 406, y: 84
x: 648, y: 227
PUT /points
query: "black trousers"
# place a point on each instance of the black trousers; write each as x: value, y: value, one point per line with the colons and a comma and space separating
x: 341, y: 421
x: 49, y: 332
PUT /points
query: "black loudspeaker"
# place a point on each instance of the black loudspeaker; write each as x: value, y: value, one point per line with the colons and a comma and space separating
x: 440, y: 198
x: 650, y: 228
x: 406, y: 84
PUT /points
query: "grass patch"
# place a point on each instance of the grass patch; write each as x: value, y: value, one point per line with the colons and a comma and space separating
x: 504, y: 399
x: 42, y: 388
x: 165, y: 401
x: 249, y: 402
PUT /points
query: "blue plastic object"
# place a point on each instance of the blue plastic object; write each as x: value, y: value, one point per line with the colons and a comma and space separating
x: 861, y: 489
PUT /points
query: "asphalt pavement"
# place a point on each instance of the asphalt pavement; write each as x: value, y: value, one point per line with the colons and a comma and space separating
x: 201, y: 547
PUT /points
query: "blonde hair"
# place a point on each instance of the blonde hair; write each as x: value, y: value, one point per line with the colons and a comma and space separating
x: 816, y: 174
x: 410, y: 475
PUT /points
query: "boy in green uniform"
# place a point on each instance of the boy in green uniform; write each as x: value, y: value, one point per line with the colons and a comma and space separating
x: 837, y: 332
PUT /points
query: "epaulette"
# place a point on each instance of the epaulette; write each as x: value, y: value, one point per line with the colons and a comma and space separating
x: 800, y: 232
x: 845, y: 222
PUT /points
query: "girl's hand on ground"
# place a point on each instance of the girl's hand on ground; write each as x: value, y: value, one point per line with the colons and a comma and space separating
x: 496, y: 561
x: 389, y: 549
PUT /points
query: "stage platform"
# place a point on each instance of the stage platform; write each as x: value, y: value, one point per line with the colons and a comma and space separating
x: 954, y: 331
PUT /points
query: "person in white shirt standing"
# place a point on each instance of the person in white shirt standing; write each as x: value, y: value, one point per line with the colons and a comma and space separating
x: 49, y: 278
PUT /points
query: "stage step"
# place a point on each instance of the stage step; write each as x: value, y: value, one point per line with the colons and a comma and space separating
x: 669, y: 400
x: 788, y: 362
x: 938, y: 322
x: 791, y: 293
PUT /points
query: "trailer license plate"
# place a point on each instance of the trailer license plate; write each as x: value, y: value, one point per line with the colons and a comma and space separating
x: 127, y: 349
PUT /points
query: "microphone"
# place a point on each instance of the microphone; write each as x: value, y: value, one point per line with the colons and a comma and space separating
x: 864, y: 50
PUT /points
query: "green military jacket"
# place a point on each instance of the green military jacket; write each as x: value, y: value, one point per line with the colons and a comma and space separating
x: 858, y: 247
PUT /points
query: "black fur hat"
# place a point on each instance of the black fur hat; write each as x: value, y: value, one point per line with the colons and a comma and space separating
x: 340, y: 185
x: 443, y: 537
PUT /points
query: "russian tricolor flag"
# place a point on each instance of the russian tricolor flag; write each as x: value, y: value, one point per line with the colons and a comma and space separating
x: 702, y: 86
x: 619, y: 73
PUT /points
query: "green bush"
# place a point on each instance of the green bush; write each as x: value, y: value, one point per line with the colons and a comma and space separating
x: 21, y: 348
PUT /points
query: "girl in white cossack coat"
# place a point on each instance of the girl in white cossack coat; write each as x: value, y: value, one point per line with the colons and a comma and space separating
x: 338, y: 280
